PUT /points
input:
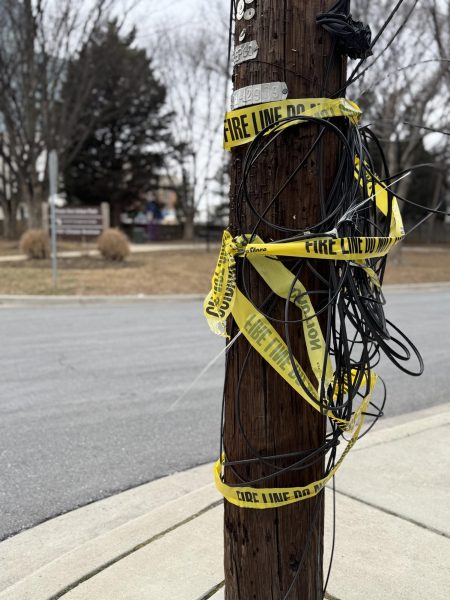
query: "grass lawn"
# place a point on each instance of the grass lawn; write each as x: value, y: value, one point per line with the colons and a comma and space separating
x: 155, y: 273
x: 171, y: 272
x: 419, y: 264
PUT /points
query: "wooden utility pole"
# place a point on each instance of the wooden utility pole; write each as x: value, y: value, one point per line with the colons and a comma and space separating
x: 263, y: 548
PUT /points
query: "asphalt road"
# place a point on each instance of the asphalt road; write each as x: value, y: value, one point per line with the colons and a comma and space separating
x: 88, y: 403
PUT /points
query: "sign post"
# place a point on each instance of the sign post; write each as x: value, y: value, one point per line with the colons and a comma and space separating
x: 53, y: 182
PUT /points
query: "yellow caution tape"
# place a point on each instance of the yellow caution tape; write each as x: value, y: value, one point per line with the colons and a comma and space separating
x: 261, y: 498
x: 380, y: 194
x: 355, y: 249
x: 225, y: 298
x: 284, y: 284
x: 243, y: 125
x: 268, y: 343
x: 349, y: 248
x: 219, y: 302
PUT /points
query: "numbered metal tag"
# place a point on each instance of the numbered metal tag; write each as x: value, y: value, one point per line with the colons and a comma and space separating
x: 249, y: 14
x: 257, y: 94
x: 244, y: 52
x: 240, y: 10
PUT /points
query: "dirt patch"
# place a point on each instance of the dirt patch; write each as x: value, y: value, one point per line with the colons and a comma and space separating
x: 81, y: 263
x: 419, y: 264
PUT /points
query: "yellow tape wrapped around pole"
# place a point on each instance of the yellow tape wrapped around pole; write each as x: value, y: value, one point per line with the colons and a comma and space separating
x: 226, y: 299
x: 328, y: 248
x: 262, y: 498
x: 243, y: 125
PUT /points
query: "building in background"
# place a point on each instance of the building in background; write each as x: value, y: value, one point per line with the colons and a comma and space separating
x: 153, y: 215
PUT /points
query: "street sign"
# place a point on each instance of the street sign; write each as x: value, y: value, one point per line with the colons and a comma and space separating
x: 80, y: 221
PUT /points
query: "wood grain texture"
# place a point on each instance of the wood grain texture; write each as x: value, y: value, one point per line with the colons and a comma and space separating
x: 263, y: 548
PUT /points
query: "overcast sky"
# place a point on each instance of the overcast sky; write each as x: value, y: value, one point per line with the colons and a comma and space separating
x: 151, y: 14
x: 155, y: 17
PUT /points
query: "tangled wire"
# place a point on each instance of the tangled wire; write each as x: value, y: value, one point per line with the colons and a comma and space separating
x: 349, y: 299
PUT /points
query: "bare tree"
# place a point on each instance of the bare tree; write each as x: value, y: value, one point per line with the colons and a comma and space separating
x: 407, y: 79
x: 193, y: 66
x: 9, y: 199
x: 37, y: 40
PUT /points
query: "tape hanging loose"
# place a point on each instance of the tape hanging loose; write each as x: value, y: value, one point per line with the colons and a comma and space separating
x: 269, y: 344
x: 285, y: 285
x: 263, y: 498
x: 219, y: 302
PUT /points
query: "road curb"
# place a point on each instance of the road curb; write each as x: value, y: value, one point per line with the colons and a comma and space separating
x: 62, y: 575
x: 78, y: 542
x: 7, y: 300
x: 17, y: 301
x: 405, y: 425
x: 44, y: 561
x: 432, y: 286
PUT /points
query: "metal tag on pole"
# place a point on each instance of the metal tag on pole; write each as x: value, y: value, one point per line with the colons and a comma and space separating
x: 53, y: 185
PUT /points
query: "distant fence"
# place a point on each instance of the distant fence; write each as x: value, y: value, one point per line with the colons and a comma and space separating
x: 155, y: 232
x: 71, y: 227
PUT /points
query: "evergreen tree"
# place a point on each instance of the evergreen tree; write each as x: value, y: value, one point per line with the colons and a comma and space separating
x: 120, y: 159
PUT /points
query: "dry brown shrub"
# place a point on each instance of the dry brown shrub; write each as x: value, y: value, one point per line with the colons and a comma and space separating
x: 113, y: 245
x: 35, y: 243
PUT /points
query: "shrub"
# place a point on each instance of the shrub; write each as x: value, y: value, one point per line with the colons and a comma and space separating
x: 35, y: 243
x: 113, y: 245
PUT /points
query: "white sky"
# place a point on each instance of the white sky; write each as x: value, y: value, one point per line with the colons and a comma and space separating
x: 152, y: 18
x: 183, y: 13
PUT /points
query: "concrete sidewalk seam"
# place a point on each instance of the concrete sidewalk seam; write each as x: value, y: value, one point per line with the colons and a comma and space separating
x: 355, y: 502
x: 221, y: 585
x: 210, y: 593
x: 394, y: 514
x: 120, y: 557
x: 407, y: 435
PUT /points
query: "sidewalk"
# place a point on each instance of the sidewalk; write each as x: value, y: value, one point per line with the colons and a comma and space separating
x: 171, y: 247
x: 134, y: 249
x: 163, y: 540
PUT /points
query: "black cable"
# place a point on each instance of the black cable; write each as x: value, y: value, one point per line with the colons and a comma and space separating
x: 353, y: 37
x: 353, y: 76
